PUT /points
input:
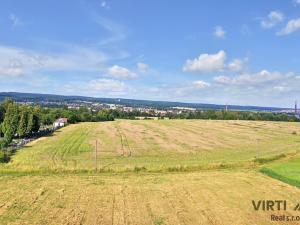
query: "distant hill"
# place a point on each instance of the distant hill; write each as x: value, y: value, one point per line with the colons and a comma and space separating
x: 42, y: 98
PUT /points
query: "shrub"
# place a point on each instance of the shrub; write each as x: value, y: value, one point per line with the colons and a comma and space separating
x: 3, y: 143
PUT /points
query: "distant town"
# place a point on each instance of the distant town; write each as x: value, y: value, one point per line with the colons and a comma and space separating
x: 96, y: 106
x: 144, y: 107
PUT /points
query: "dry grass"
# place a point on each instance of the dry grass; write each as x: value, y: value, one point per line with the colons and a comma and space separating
x: 210, y: 198
x: 192, y: 198
x: 158, y: 145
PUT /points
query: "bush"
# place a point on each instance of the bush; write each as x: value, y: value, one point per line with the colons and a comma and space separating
x: 3, y: 143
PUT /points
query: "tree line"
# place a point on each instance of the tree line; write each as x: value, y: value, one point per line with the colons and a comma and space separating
x: 17, y: 120
x: 208, y: 114
x: 234, y: 115
x: 25, y: 121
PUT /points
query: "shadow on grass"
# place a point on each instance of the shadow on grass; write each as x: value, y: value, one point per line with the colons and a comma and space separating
x: 5, y: 156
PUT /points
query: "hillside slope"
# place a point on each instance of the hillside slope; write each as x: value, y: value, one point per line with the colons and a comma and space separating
x: 126, y: 145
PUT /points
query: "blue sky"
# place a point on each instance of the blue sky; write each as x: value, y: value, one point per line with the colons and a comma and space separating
x: 236, y: 52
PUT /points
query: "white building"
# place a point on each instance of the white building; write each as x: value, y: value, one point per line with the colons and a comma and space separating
x: 61, y: 122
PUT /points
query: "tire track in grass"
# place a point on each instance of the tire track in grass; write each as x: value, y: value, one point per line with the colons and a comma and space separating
x: 126, y: 150
x: 77, y: 214
x: 187, y: 195
x: 148, y: 140
x: 137, y: 209
x: 72, y: 146
x: 125, y: 206
x: 61, y: 150
x: 113, y: 209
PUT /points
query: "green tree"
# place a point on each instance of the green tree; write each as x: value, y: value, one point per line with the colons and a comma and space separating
x: 22, y: 127
x: 6, y: 103
x: 30, y: 123
x: 2, y: 113
x: 104, y: 115
x: 11, y: 120
x: 36, y: 118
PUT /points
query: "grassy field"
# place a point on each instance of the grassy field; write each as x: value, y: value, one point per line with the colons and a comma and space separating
x: 287, y: 171
x: 175, y: 198
x: 153, y: 172
x: 158, y: 145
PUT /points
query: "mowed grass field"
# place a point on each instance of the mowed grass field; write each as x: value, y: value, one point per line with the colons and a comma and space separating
x: 176, y: 198
x: 166, y: 145
x: 287, y: 171
x: 152, y: 172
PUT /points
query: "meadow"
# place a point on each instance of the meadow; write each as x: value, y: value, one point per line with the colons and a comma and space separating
x: 156, y: 146
x: 152, y: 172
x: 212, y: 197
x: 287, y: 171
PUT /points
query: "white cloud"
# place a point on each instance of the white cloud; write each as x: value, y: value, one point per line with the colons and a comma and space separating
x: 261, y: 88
x: 104, y: 5
x: 15, y: 20
x: 18, y: 61
x: 206, y: 63
x: 11, y: 72
x: 98, y: 87
x: 117, y: 32
x: 281, y: 89
x: 236, y: 65
x: 142, y: 67
x: 214, y: 63
x: 200, y: 84
x: 219, y: 32
x: 274, y: 18
x: 292, y: 26
x: 121, y: 72
x: 109, y: 85
x: 222, y: 80
x: 296, y: 2
x: 261, y: 78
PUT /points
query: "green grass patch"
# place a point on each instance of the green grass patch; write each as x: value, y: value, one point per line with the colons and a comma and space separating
x: 281, y: 177
x: 286, y: 171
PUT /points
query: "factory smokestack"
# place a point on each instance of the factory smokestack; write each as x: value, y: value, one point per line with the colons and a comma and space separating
x: 226, y: 107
